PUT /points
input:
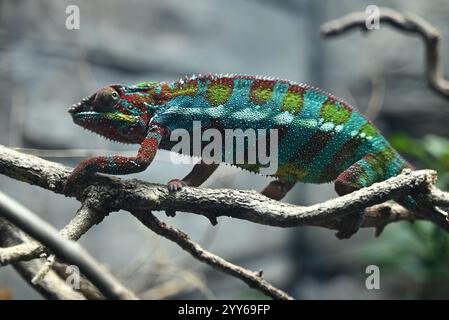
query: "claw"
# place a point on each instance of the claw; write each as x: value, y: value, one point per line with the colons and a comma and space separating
x: 170, y: 213
x: 175, y: 185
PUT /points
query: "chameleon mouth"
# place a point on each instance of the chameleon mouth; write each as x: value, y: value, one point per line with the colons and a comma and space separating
x: 87, y: 119
x: 86, y: 113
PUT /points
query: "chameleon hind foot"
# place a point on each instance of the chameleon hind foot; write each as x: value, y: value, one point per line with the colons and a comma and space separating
x: 352, y: 179
x: 349, y: 225
x: 200, y: 173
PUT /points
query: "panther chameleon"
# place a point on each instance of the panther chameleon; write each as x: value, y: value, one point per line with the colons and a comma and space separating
x: 321, y: 138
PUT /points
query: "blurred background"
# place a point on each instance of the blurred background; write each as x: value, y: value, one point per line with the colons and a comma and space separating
x: 45, y: 68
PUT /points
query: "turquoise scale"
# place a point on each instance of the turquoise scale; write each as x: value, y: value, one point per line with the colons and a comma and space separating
x: 243, y: 113
x: 368, y: 170
x: 303, y: 126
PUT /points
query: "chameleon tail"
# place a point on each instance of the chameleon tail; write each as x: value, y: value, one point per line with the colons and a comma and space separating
x: 408, y: 202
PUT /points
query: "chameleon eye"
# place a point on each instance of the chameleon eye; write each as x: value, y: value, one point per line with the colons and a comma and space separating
x: 105, y: 100
x: 114, y: 95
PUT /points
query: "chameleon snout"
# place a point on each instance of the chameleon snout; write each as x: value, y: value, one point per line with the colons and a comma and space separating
x: 73, y: 109
x: 80, y: 106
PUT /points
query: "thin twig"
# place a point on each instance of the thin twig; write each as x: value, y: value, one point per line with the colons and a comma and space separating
x: 253, y: 279
x: 377, y: 96
x: 45, y: 270
x: 407, y: 22
x: 86, y: 287
x: 185, y: 281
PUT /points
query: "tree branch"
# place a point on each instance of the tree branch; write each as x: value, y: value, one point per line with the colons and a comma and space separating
x: 84, y: 219
x: 408, y: 23
x: 52, y: 286
x: 105, y: 194
x: 87, y: 217
x: 87, y: 288
x: 68, y: 250
x: 253, y: 279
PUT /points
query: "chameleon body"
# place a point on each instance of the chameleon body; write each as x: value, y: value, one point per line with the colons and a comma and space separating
x: 320, y: 137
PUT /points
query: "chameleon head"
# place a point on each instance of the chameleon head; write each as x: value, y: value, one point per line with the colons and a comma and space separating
x: 112, y: 114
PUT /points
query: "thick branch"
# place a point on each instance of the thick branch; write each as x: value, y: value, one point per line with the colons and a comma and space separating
x: 134, y: 195
x: 408, y: 23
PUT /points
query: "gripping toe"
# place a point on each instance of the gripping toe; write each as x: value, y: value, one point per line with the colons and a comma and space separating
x: 175, y: 185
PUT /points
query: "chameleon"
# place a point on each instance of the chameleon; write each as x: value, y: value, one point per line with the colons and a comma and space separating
x: 321, y: 138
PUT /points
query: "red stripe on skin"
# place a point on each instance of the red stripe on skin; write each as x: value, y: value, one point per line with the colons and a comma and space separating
x: 261, y: 85
x: 149, y: 146
x: 148, y: 149
x: 89, y: 165
x: 120, y: 160
x: 296, y: 88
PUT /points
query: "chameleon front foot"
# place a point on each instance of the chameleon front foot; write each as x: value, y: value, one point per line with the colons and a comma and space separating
x: 176, y: 185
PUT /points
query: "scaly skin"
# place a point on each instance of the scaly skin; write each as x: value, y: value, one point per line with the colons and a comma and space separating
x: 321, y: 138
